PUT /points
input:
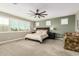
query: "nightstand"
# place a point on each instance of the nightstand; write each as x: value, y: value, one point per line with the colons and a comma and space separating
x: 52, y: 35
x: 58, y: 35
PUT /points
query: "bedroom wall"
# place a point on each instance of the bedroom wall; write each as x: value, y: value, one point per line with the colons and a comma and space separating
x: 12, y: 17
x: 56, y: 23
x: 8, y: 34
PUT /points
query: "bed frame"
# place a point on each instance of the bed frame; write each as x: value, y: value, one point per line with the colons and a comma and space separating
x: 40, y: 28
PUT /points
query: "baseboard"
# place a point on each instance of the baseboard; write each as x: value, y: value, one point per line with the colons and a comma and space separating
x: 60, y: 38
x: 7, y: 41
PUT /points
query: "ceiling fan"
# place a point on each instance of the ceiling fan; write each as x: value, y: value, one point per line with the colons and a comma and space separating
x: 38, y: 14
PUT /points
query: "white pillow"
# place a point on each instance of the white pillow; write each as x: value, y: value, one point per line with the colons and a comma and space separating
x: 41, y: 31
x: 38, y: 31
x: 44, y: 32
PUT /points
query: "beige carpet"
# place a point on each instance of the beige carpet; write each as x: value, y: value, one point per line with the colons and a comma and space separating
x: 31, y: 48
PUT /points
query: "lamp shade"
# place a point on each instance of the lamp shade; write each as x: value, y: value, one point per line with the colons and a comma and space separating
x: 34, y: 28
x: 37, y: 24
x: 51, y: 28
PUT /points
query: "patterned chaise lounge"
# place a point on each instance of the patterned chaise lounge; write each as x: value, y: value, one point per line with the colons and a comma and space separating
x: 71, y: 41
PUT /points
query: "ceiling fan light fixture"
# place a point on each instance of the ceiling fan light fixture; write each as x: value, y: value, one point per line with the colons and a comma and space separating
x: 39, y: 14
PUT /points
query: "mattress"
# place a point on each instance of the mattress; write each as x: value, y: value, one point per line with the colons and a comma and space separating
x: 36, y: 36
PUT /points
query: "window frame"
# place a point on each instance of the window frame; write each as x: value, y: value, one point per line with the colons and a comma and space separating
x: 64, y: 21
x: 48, y: 23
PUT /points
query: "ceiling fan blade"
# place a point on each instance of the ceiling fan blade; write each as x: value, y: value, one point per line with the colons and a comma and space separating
x: 30, y: 14
x: 42, y: 15
x: 37, y: 10
x: 32, y: 11
x: 43, y: 12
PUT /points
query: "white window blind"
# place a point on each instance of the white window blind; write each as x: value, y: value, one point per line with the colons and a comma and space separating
x: 18, y: 25
x: 64, y: 21
x: 4, y: 23
x: 4, y: 20
x: 13, y: 24
x: 48, y: 23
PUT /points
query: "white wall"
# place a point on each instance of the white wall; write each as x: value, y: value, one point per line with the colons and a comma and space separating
x: 4, y: 36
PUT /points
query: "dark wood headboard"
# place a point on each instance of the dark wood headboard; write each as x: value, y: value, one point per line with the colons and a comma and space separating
x: 43, y: 28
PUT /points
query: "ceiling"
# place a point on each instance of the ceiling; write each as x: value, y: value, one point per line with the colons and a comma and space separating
x: 53, y: 9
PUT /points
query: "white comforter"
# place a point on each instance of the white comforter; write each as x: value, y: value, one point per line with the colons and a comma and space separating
x: 36, y: 36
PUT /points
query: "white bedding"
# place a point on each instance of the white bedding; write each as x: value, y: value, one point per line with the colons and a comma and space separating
x: 36, y: 36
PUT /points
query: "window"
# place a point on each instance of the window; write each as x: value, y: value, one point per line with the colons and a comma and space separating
x: 64, y: 21
x: 19, y: 25
x: 37, y: 24
x: 4, y: 23
x: 13, y: 24
x: 48, y: 23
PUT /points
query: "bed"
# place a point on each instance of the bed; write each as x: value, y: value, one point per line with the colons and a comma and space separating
x: 40, y: 34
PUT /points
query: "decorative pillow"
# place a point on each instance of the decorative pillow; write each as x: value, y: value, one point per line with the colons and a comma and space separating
x: 41, y: 31
x: 38, y: 31
x: 44, y: 32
